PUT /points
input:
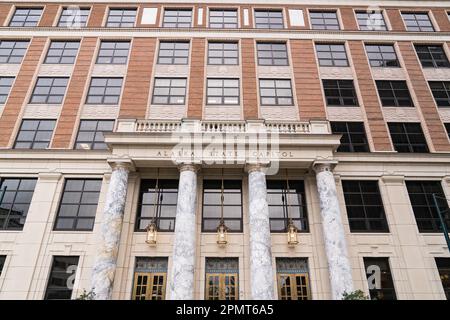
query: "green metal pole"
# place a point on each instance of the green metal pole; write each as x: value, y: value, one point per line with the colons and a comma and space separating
x: 443, y: 224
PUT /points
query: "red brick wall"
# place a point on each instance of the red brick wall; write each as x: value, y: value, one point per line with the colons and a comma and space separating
x: 395, y: 18
x: 249, y: 86
x: 49, y: 15
x: 348, y: 19
x: 73, y: 100
x: 196, y: 78
x: 98, y: 12
x: 374, y: 113
x: 4, y: 11
x: 137, y: 83
x: 424, y: 97
x: 440, y: 15
x: 307, y: 80
x: 20, y: 89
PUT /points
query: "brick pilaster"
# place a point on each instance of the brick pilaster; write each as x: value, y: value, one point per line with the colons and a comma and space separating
x: 196, y: 79
x: 249, y: 81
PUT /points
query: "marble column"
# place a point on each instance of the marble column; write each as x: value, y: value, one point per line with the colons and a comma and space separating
x: 183, y: 258
x: 261, y: 271
x: 333, y: 232
x: 105, y: 264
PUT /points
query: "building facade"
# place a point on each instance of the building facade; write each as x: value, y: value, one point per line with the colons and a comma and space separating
x: 315, y: 133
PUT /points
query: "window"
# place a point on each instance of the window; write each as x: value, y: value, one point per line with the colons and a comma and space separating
x: 121, y: 18
x: 364, y: 206
x: 275, y: 92
x: 331, y: 55
x: 353, y: 136
x: 49, y: 90
x: 394, y: 93
x: 35, y: 134
x: 340, y: 93
x: 222, y: 279
x: 447, y: 128
x: 90, y: 134
x: 62, y: 52
x: 169, y: 91
x: 371, y: 21
x: 2, y: 263
x: 269, y: 19
x: 104, y: 91
x: 407, y: 137
x: 173, y: 52
x: 162, y: 205
x: 421, y: 197
x: 223, y: 53
x: 222, y: 91
x: 223, y: 19
x: 382, y: 55
x: 432, y: 56
x: 12, y: 51
x: 5, y: 88
x: 232, y: 205
x: 78, y: 205
x: 272, y: 54
x: 293, y: 279
x: 443, y: 266
x: 26, y: 17
x: 324, y: 20
x: 379, y: 279
x: 62, y: 278
x: 15, y: 199
x: 441, y: 92
x: 285, y: 205
x: 113, y: 52
x: 417, y: 21
x: 174, y: 18
x: 150, y: 277
x: 73, y: 17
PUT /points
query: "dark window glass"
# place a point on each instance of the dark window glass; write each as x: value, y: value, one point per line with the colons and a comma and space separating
x: 160, y: 205
x: 417, y: 21
x: 364, y: 206
x: 324, y: 20
x: 340, y: 93
x: 223, y: 19
x: 15, y: 199
x: 232, y: 205
x: 26, y: 17
x: 104, y: 91
x: 353, y: 136
x: 49, y: 90
x: 331, y: 55
x: 223, y: 53
x: 121, y: 18
x: 62, y: 52
x: 78, y: 204
x: 34, y: 134
x: 171, y: 52
x: 222, y: 91
x: 5, y: 88
x: 443, y: 266
x: 90, y: 134
x: 379, y: 279
x: 269, y: 19
x: 447, y: 128
x: 425, y: 211
x: 371, y: 21
x: 74, y: 17
x: 382, y: 55
x: 407, y: 137
x: 169, y: 91
x: 113, y: 52
x: 285, y: 205
x: 441, y: 92
x: 177, y: 18
x: 275, y: 92
x: 432, y: 56
x: 12, y: 51
x: 394, y: 93
x: 272, y: 54
x: 62, y: 277
x: 2, y: 263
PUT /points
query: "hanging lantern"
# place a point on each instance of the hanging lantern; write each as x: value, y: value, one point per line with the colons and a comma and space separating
x: 222, y: 235
x: 292, y: 234
x: 152, y: 233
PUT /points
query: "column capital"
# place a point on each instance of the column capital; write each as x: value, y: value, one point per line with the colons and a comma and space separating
x: 188, y: 167
x: 321, y: 166
x: 118, y: 163
x: 251, y: 167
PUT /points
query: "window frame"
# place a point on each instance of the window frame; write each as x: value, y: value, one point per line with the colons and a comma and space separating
x: 95, y: 132
x: 24, y: 22
x: 104, y: 95
x: 64, y: 273
x: 339, y: 88
x: 445, y: 270
x: 394, y: 93
x: 269, y: 25
x: 405, y: 132
x: 222, y: 23
x: 276, y: 96
x: 170, y: 87
x: 33, y: 141
x: 332, y: 53
x: 365, y: 28
x: 272, y: 52
x: 82, y: 25
x: 177, y: 24
x: 121, y: 24
x: 10, y: 56
x: 444, y: 88
x: 323, y: 22
x: 349, y: 135
x: 7, y: 87
x: 223, y: 97
x: 114, y: 56
x: 223, y: 58
x: 433, y: 62
x: 381, y: 62
x: 385, y: 273
x: 51, y: 87
x: 174, y: 56
x: 417, y: 27
x: 63, y: 50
